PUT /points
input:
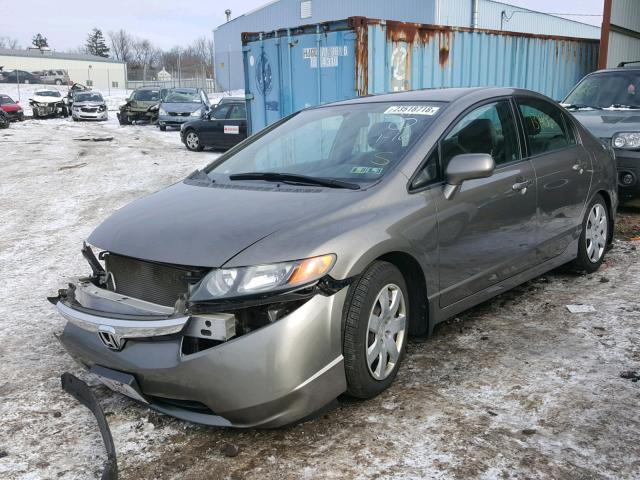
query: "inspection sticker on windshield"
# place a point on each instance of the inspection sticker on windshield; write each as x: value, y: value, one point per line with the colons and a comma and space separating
x: 412, y: 110
x: 364, y: 170
x: 232, y: 129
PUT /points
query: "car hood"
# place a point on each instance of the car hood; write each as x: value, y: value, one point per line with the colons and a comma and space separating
x: 181, y: 107
x: 604, y: 123
x: 207, y: 226
x: 89, y: 104
x: 10, y: 107
x: 39, y: 99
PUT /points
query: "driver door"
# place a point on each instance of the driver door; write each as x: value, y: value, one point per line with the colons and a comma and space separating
x: 487, y: 230
x: 212, y: 130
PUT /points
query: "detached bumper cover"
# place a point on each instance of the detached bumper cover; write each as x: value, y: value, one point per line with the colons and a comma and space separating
x: 268, y: 378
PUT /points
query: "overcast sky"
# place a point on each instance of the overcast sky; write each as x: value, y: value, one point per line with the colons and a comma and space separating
x: 170, y: 22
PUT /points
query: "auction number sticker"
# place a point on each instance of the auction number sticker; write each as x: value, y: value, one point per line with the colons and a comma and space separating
x: 232, y: 129
x: 412, y: 110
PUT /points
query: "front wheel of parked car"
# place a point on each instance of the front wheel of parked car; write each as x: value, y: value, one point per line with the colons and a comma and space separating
x: 163, y: 128
x: 58, y: 82
x: 594, y: 236
x: 375, y: 329
x: 192, y: 141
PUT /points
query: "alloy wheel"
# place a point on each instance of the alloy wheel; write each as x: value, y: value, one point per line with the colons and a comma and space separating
x: 193, y: 142
x: 386, y: 330
x: 596, y: 232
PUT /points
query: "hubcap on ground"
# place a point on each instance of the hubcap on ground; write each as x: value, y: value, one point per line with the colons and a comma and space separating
x: 596, y: 233
x: 385, y: 331
x: 192, y: 140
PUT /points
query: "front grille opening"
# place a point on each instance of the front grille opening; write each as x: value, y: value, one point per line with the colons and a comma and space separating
x: 158, y: 283
x: 247, y: 320
x: 191, y: 405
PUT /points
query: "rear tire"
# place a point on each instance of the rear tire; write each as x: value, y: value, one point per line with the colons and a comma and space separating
x: 376, y: 326
x: 163, y: 128
x: 594, y: 237
x: 58, y: 82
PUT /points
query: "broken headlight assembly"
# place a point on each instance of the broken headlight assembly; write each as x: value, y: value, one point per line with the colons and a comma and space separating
x: 226, y: 283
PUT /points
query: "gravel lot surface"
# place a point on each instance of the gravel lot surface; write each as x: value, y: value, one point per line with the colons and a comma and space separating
x: 517, y: 387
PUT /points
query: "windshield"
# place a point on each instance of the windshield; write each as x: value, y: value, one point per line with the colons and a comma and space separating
x: 602, y: 90
x: 88, y: 97
x: 48, y: 93
x: 147, y: 95
x: 182, y: 97
x: 356, y: 143
x: 5, y: 100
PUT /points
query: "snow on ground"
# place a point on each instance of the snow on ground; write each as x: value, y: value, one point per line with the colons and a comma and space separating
x: 517, y: 387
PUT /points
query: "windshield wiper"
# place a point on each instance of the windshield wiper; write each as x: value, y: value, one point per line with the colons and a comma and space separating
x: 620, y: 105
x: 295, y: 179
x: 578, y: 106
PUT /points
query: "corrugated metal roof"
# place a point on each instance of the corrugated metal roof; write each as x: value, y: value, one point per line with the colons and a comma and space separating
x: 519, y: 19
x: 56, y: 55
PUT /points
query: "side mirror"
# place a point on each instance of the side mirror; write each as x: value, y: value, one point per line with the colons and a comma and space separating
x: 464, y: 167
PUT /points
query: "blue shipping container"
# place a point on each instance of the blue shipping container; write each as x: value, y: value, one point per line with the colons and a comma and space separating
x: 291, y: 69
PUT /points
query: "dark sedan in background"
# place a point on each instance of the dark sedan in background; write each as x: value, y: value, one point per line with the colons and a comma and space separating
x: 224, y: 127
x: 18, y: 76
x: 607, y: 102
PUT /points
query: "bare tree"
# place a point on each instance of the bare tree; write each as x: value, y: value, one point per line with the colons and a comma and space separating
x: 121, y: 45
x: 10, y: 43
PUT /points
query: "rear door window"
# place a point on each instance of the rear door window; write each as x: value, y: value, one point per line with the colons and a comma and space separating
x: 545, y: 127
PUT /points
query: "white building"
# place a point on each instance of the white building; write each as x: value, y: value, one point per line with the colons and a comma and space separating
x: 98, y: 72
x: 163, y: 75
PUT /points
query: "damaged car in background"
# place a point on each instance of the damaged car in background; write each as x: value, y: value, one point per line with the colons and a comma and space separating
x: 294, y: 267
x: 11, y: 108
x: 142, y: 105
x: 89, y: 106
x: 48, y: 103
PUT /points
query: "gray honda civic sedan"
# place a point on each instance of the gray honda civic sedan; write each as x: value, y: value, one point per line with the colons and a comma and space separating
x: 295, y: 267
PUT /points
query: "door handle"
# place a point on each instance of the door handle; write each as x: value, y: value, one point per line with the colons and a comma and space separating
x: 521, y: 186
x: 578, y: 168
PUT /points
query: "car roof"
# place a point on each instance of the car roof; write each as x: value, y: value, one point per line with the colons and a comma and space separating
x: 617, y: 69
x: 148, y: 88
x: 441, y: 95
x: 184, y: 90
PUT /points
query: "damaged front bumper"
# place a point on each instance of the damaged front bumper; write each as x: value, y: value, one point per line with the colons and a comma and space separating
x: 268, y: 378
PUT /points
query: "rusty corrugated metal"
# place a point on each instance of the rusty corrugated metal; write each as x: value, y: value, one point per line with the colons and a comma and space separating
x: 411, y: 56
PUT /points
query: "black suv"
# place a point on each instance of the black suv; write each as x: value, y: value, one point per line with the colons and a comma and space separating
x: 607, y: 102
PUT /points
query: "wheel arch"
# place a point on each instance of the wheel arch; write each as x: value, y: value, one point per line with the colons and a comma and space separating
x: 417, y: 286
x: 609, y: 204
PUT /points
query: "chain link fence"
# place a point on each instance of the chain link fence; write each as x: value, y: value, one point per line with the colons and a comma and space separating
x: 191, y: 76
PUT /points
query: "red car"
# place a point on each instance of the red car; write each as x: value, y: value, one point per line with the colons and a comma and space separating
x: 11, y: 108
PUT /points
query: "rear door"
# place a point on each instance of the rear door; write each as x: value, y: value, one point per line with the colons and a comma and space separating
x: 563, y: 168
x: 487, y: 231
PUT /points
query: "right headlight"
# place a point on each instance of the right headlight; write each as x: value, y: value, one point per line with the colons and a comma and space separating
x: 223, y: 283
x: 162, y: 111
x: 627, y: 140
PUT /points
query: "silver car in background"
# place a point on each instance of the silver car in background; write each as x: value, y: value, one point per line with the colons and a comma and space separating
x: 89, y: 105
x: 180, y: 105
x: 294, y: 267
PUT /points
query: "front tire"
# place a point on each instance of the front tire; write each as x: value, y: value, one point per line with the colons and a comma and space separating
x: 376, y: 329
x: 192, y: 141
x: 594, y: 237
x: 163, y: 128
